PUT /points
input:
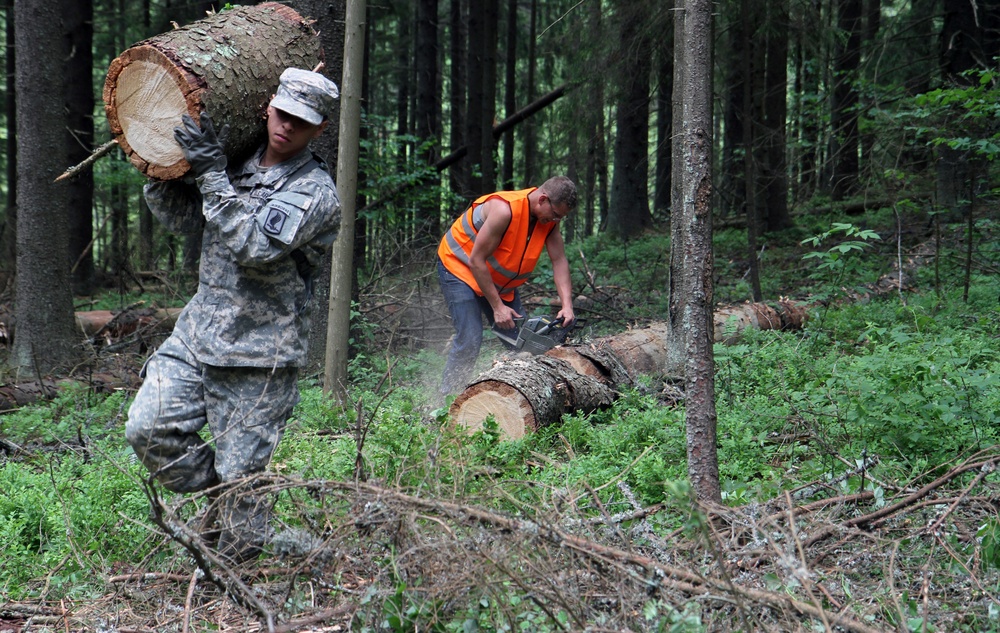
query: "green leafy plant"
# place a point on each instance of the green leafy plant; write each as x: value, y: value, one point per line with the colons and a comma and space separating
x: 834, y: 263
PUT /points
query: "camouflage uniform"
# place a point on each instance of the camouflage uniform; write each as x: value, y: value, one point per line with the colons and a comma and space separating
x: 232, y: 359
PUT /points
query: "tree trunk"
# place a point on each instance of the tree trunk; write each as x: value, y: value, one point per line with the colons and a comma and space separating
x: 45, y: 338
x: 476, y: 97
x: 748, y: 126
x: 228, y: 63
x: 664, y: 115
x: 629, y: 213
x: 844, y: 114
x: 341, y: 275
x: 80, y: 138
x: 525, y: 394
x: 530, y: 130
x: 775, y: 115
x: 696, y: 278
x: 329, y: 18
x: 489, y: 106
x: 8, y: 240
x: 510, y: 95
x: 428, y: 117
x: 458, y: 174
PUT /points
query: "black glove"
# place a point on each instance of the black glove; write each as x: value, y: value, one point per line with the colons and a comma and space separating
x: 201, y: 147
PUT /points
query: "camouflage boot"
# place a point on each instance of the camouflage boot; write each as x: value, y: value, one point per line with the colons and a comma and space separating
x: 244, y: 526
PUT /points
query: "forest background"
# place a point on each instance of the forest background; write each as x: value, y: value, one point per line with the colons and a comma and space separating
x: 856, y: 134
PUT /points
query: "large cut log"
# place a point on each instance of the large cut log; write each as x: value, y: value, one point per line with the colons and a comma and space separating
x: 228, y: 63
x: 524, y: 394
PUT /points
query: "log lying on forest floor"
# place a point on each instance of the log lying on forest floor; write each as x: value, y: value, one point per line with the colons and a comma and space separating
x: 528, y: 392
x: 113, y: 326
x: 516, y: 399
x: 229, y: 63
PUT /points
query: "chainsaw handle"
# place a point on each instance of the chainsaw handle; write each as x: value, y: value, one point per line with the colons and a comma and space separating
x: 551, y: 324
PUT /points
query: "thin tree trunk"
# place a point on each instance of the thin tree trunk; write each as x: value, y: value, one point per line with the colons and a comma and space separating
x: 775, y: 115
x: 338, y: 329
x: 8, y: 241
x: 629, y: 213
x: 477, y: 97
x: 844, y: 121
x: 530, y: 137
x: 329, y: 18
x: 664, y: 114
x: 510, y: 95
x: 749, y: 165
x: 696, y: 278
x: 458, y: 173
x: 80, y: 111
x: 489, y: 110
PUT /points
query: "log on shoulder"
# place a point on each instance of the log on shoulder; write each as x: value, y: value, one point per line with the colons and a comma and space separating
x: 228, y: 64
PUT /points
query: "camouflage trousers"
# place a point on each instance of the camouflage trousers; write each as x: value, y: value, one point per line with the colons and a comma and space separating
x: 245, y: 409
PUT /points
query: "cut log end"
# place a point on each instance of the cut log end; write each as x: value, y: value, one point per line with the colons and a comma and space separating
x: 145, y: 97
x: 508, y: 406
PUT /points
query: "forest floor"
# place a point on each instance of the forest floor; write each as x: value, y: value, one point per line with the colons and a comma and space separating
x: 877, y: 555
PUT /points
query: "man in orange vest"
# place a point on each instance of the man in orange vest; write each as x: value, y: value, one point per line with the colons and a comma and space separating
x: 489, y: 251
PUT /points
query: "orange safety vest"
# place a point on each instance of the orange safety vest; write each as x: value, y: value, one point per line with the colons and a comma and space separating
x: 511, y: 264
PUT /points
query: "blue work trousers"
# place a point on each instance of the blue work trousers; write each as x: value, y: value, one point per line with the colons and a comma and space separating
x: 466, y: 308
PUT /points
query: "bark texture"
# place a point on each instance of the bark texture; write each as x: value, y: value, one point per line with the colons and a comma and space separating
x: 228, y: 64
x: 527, y: 393
x: 45, y: 339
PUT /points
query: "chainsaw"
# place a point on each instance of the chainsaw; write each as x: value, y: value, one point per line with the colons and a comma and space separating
x: 536, y: 335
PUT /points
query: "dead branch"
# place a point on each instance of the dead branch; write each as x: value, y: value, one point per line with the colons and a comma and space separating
x: 103, y: 150
x: 676, y: 578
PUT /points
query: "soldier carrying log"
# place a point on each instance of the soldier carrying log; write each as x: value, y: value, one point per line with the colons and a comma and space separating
x: 233, y: 357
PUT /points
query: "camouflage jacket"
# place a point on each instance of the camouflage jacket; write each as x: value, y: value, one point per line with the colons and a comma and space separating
x: 249, y: 310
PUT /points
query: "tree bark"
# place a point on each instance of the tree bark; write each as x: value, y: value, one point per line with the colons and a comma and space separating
x: 329, y: 18
x: 341, y: 275
x: 629, y: 214
x: 227, y: 64
x: 775, y: 116
x: 525, y: 394
x: 45, y: 339
x: 79, y: 68
x: 458, y: 174
x: 844, y: 115
x: 8, y: 239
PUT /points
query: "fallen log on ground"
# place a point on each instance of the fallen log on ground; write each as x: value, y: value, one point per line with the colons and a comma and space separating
x: 112, y: 326
x: 229, y: 63
x: 529, y: 392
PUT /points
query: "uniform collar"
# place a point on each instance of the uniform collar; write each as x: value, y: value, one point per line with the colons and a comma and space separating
x: 275, y: 172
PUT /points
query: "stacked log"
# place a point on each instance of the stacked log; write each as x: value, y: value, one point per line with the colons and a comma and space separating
x: 228, y: 64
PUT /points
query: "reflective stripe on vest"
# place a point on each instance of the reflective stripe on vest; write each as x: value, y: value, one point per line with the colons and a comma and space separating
x: 516, y: 255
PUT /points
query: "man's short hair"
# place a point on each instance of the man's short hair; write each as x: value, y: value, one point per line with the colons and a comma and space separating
x: 560, y: 190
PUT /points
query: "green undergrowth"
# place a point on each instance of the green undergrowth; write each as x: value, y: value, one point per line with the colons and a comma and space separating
x: 914, y: 384
x: 907, y: 385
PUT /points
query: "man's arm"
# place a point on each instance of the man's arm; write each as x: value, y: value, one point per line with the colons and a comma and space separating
x: 176, y: 204
x: 560, y: 272
x: 497, y: 216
